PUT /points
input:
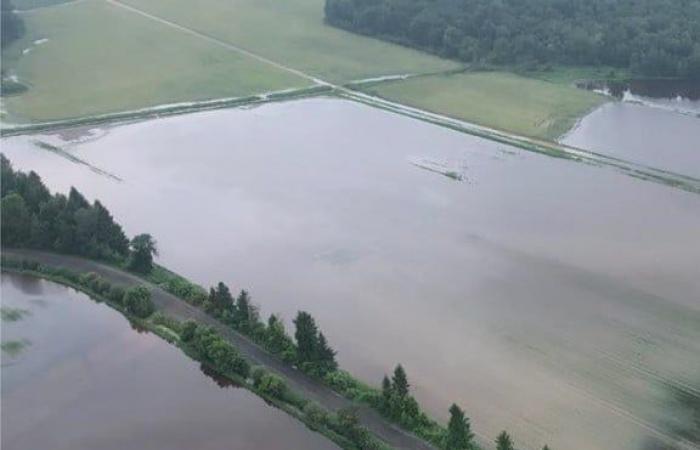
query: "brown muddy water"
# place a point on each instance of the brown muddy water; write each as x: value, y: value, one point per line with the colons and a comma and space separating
x: 86, y: 380
x: 557, y: 300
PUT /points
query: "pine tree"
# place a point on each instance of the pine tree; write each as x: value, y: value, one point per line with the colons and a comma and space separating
x: 306, y: 335
x: 400, y: 382
x: 459, y: 435
x: 325, y: 355
x: 242, y: 310
x: 503, y: 442
x: 386, y: 391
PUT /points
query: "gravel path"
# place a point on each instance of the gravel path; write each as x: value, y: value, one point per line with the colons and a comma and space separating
x: 181, y: 310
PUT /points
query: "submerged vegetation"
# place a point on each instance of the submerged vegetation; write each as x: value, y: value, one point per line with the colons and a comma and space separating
x: 14, y: 347
x: 13, y: 314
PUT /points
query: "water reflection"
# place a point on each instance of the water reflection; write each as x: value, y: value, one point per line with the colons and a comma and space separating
x: 669, y: 89
x: 89, y: 382
x: 679, y: 96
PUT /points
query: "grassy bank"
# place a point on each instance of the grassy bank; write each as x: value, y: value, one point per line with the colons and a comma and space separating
x: 504, y: 101
x: 328, y: 423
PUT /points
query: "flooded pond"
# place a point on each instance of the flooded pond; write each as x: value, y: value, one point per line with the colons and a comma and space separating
x: 550, y: 298
x: 85, y: 379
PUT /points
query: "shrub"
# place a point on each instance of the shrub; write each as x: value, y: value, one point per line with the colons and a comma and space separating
x: 30, y: 265
x: 168, y: 322
x: 138, y: 301
x: 315, y: 413
x: 188, y: 331
x: 116, y: 294
x: 257, y: 374
x: 87, y: 278
x: 273, y: 385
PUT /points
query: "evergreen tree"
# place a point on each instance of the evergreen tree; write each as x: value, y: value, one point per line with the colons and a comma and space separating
x: 459, y: 435
x: 306, y: 335
x: 242, y: 313
x: 503, y: 442
x: 325, y: 356
x: 386, y: 391
x: 143, y: 247
x: 221, y: 298
x: 400, y: 382
x: 277, y: 340
x: 16, y: 220
x: 546, y: 447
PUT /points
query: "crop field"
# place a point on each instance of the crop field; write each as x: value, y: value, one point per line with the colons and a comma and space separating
x: 156, y: 52
x: 501, y: 100
x: 141, y: 62
x: 293, y: 33
x: 138, y: 63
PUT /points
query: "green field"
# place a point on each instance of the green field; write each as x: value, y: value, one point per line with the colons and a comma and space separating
x: 103, y: 57
x: 292, y: 32
x: 100, y: 58
x: 499, y: 100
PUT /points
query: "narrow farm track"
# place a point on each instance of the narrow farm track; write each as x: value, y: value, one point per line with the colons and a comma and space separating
x: 181, y: 310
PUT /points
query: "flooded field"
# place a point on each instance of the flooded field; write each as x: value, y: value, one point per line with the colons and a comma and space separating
x: 550, y: 298
x: 84, y: 379
x: 652, y: 135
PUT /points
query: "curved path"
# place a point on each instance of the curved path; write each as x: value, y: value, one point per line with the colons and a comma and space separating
x: 181, y: 310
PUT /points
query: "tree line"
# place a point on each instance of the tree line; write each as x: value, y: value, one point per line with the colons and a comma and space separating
x: 34, y: 218
x: 648, y: 37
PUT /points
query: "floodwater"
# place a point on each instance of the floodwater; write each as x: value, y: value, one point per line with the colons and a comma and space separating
x: 635, y: 132
x: 551, y: 298
x: 86, y: 380
x: 655, y: 123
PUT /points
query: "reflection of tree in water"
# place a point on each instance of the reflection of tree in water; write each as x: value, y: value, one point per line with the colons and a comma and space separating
x: 140, y: 329
x: 681, y: 420
x: 647, y: 88
x: 219, y: 379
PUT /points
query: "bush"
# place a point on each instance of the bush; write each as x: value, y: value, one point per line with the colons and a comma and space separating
x: 138, y: 301
x: 116, y: 294
x: 273, y: 385
x: 257, y: 374
x: 188, y: 331
x: 168, y: 322
x: 87, y: 278
x: 221, y: 355
x: 316, y: 414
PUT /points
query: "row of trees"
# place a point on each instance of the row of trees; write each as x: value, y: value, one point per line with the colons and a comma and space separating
x: 309, y: 349
x: 32, y: 217
x: 650, y: 37
x: 398, y: 404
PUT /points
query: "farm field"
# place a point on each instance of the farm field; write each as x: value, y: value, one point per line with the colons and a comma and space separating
x: 138, y: 63
x: 293, y: 33
x: 501, y: 100
x: 162, y: 52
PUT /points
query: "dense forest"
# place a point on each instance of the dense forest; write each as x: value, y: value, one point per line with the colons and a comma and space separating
x: 32, y: 217
x: 12, y: 26
x: 649, y: 37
